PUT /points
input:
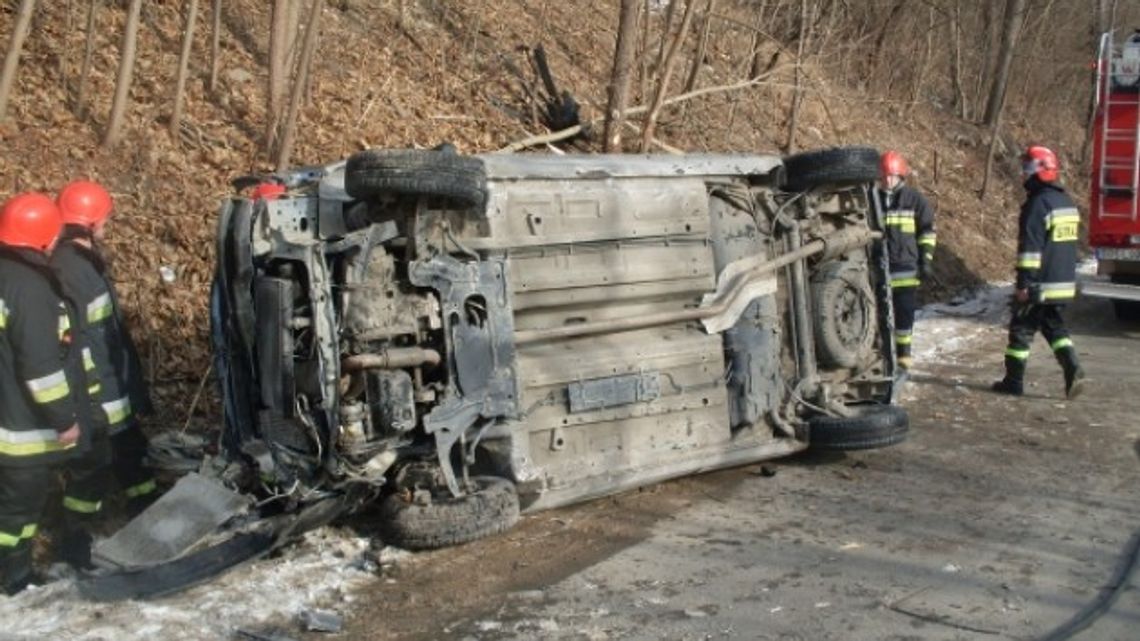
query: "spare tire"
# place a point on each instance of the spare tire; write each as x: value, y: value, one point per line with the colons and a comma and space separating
x: 846, y: 315
x: 490, y: 508
x: 835, y: 167
x: 872, y: 426
x: 438, y: 172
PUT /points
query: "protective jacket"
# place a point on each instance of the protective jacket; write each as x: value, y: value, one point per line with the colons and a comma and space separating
x: 909, y: 229
x: 1047, y: 244
x: 43, y: 385
x: 85, y: 281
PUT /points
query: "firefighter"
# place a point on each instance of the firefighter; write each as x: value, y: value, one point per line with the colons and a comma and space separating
x: 44, y: 417
x: 118, y: 449
x: 1046, y: 273
x: 910, y: 238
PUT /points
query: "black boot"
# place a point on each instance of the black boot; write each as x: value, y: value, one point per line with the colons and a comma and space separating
x: 1013, y: 383
x: 1074, y: 375
x: 16, y: 569
x: 75, y: 548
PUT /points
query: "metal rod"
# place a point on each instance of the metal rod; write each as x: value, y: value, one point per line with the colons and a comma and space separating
x: 833, y: 245
x: 394, y: 358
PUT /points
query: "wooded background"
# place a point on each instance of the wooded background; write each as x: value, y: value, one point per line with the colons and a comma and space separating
x: 166, y: 101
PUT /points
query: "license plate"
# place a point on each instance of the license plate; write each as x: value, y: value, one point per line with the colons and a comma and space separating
x: 1117, y: 253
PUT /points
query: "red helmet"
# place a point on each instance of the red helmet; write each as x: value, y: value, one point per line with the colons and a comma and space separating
x: 30, y: 220
x: 1041, y: 162
x: 893, y: 164
x: 84, y: 203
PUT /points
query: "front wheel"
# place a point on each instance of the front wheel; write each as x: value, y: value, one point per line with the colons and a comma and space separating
x: 422, y: 522
x: 871, y: 427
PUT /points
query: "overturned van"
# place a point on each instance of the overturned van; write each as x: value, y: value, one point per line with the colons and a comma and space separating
x: 464, y: 337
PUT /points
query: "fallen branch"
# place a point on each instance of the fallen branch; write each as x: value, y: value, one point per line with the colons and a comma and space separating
x: 553, y: 136
x: 569, y: 132
x: 941, y: 620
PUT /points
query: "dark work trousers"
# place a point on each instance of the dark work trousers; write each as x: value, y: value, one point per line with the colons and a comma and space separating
x: 136, y: 480
x: 88, y: 481
x: 1027, y: 320
x: 24, y: 494
x: 905, y: 301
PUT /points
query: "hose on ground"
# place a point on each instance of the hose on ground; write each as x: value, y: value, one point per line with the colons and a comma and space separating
x: 1098, y: 607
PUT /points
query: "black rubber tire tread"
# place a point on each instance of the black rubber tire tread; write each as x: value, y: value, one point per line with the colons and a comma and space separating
x: 416, y: 172
x: 874, y: 426
x: 827, y: 286
x: 491, y: 509
x: 834, y: 167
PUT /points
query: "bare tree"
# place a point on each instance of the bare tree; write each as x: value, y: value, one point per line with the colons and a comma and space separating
x: 215, y: 43
x: 650, y: 124
x: 299, y: 83
x: 183, y: 66
x: 955, y: 23
x: 124, y: 76
x: 618, y: 91
x: 702, y: 47
x: 278, y: 55
x: 1014, y: 13
x: 88, y: 53
x: 797, y: 94
x: 15, y: 48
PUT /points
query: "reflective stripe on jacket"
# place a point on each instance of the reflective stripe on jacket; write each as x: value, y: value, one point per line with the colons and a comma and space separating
x: 42, y: 383
x: 908, y: 221
x: 84, y: 278
x: 1047, y: 243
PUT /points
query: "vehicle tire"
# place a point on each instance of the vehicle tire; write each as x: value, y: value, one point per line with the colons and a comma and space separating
x: 835, y: 167
x: 436, y: 172
x: 492, y: 508
x: 872, y: 426
x: 846, y: 316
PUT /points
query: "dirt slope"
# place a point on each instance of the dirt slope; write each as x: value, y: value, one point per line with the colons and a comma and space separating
x: 452, y: 72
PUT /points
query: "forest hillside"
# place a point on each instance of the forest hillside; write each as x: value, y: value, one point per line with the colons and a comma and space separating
x: 94, y: 90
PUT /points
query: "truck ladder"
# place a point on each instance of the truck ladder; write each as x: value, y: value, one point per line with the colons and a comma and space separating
x: 1119, y: 145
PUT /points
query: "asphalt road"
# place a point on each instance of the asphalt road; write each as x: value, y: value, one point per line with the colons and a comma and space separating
x: 998, y: 519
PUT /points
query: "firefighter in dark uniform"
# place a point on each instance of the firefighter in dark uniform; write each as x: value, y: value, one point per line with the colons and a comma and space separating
x: 910, y: 239
x: 44, y: 404
x: 1046, y: 273
x: 118, y: 450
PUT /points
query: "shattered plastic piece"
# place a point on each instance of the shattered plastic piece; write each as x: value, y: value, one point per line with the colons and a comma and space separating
x: 321, y: 620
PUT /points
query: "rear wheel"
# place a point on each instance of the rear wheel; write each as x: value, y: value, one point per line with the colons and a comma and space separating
x: 421, y: 521
x: 872, y: 426
x: 835, y: 167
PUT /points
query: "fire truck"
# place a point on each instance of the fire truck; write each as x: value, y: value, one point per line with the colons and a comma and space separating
x: 1114, y: 213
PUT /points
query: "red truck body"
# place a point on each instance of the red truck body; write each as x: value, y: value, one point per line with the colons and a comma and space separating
x: 1114, y: 212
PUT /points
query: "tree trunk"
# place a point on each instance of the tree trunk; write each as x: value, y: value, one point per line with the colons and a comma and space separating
x: 299, y: 83
x: 1014, y: 12
x: 278, y: 51
x: 215, y: 43
x: 124, y: 76
x: 924, y: 61
x: 881, y: 39
x: 790, y: 144
x: 183, y: 67
x: 88, y: 53
x: 15, y: 48
x: 618, y: 92
x: 955, y: 23
x: 754, y: 42
x: 702, y: 47
x: 650, y: 124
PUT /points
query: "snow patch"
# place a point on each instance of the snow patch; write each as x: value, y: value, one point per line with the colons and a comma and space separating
x: 942, y: 330
x: 318, y: 571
